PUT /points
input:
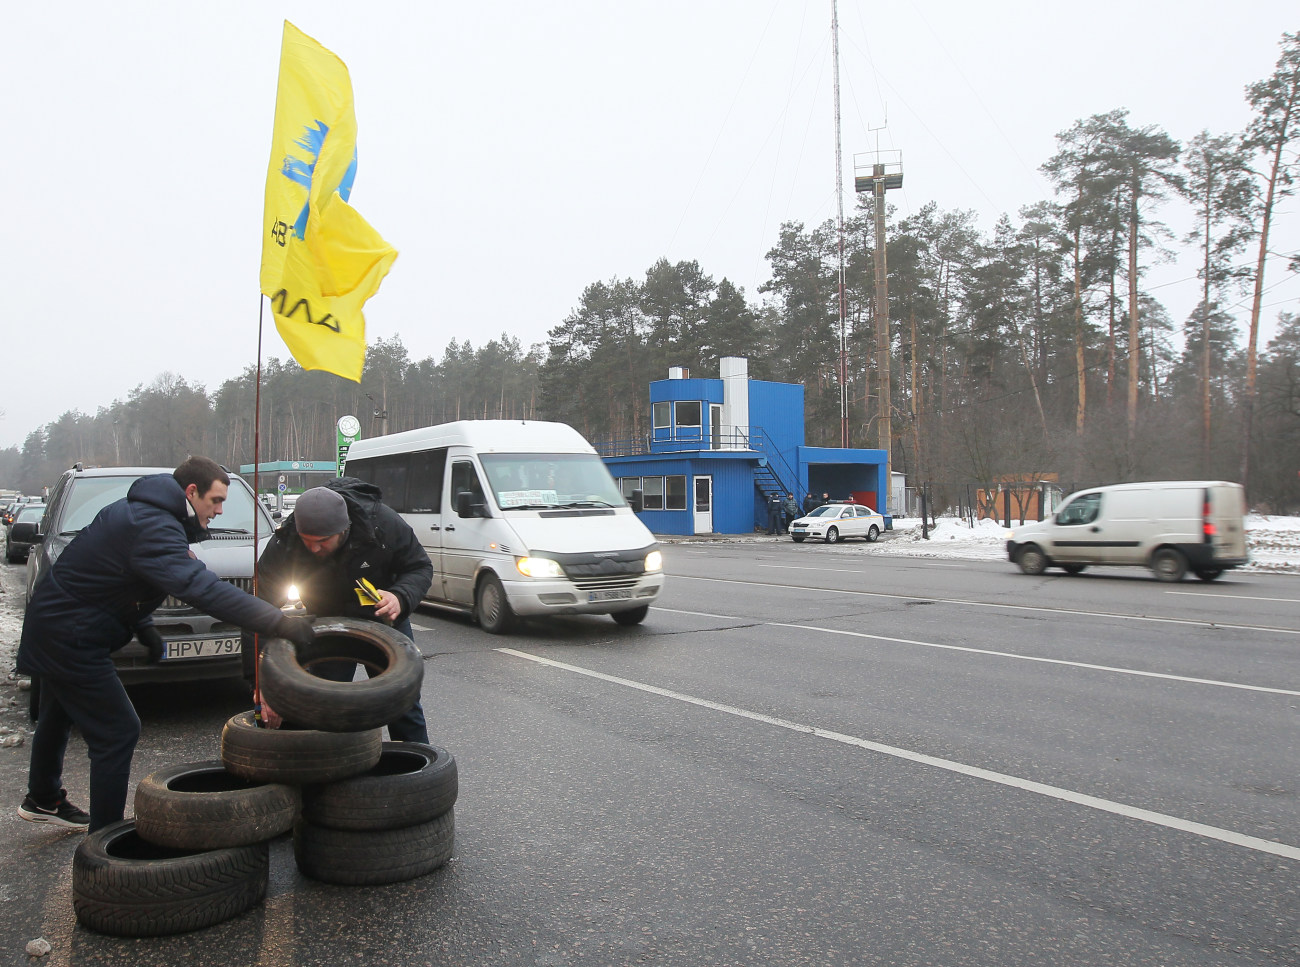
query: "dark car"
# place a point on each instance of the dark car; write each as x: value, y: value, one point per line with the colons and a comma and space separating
x: 16, y: 551
x: 198, y: 646
x: 10, y: 511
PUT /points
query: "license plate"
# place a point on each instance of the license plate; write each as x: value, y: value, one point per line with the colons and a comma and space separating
x: 202, y: 647
x: 608, y: 595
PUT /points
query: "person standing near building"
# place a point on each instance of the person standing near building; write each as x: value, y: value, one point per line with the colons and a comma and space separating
x: 810, y: 503
x: 774, y: 513
x: 337, y: 535
x: 100, y: 592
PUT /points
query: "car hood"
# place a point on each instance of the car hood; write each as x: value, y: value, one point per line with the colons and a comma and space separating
x: 229, y: 555
x: 620, y: 532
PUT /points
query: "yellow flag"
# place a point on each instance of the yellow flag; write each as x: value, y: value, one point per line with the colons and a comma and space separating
x: 321, y: 260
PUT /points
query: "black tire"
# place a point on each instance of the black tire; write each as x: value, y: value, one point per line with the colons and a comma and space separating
x: 797, y: 538
x: 1074, y: 568
x: 833, y: 536
x: 296, y: 756
x: 491, y: 607
x: 1169, y: 565
x: 126, y: 886
x: 411, y: 783
x: 873, y: 533
x: 203, y: 806
x: 1208, y: 574
x: 367, y: 858
x: 290, y: 688
x: 633, y: 617
x: 1032, y: 560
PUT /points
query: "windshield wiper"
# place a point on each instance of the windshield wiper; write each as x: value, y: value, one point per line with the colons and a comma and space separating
x: 228, y: 530
x: 586, y: 503
x: 530, y: 507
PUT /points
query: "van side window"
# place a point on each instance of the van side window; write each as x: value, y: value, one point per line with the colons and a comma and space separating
x: 1081, y: 510
x: 424, y: 481
x: 386, y: 473
x: 464, y: 477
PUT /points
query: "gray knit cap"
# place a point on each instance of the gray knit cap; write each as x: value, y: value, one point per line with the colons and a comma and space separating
x: 321, y: 512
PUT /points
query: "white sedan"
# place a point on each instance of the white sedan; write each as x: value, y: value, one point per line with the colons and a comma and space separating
x: 834, y: 522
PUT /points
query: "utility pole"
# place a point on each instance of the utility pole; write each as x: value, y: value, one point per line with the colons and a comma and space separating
x: 884, y: 174
x: 839, y: 199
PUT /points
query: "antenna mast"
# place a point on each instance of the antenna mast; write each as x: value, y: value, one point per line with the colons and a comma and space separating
x: 839, y: 200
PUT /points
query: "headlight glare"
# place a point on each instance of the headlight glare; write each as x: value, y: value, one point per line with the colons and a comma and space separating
x: 654, y: 561
x: 539, y: 567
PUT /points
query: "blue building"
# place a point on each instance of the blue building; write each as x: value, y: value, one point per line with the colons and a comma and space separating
x: 719, y: 448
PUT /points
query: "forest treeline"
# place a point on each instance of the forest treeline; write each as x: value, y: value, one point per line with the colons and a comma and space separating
x: 1032, y: 349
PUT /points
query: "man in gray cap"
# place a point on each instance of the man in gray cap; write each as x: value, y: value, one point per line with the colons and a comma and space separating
x: 337, y: 535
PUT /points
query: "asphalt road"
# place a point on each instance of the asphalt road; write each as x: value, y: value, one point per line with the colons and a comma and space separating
x: 806, y: 755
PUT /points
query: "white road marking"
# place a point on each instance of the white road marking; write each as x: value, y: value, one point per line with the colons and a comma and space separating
x: 849, y: 570
x: 996, y: 654
x: 1027, y: 785
x: 1238, y: 597
x: 423, y: 627
x: 1195, y: 622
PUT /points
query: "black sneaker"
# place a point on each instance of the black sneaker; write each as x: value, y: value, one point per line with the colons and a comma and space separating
x: 63, y: 813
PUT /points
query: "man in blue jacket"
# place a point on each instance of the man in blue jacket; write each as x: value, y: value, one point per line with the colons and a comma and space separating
x: 100, y: 592
x: 337, y: 535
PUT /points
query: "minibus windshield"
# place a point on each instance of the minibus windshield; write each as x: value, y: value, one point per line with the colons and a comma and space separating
x: 545, y: 481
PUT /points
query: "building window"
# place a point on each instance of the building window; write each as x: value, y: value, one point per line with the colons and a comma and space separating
x: 653, y: 493
x: 688, y: 413
x: 663, y: 415
x: 629, y: 485
x: 676, y: 493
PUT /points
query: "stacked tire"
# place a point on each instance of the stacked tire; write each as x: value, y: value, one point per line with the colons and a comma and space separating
x: 393, y: 823
x: 363, y: 811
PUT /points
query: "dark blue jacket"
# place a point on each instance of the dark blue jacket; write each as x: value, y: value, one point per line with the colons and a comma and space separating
x: 110, y: 578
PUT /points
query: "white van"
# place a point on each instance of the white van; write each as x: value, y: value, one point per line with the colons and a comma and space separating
x: 520, y: 518
x: 1170, y: 526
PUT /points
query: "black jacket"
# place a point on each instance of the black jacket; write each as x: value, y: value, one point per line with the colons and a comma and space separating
x: 110, y: 578
x: 380, y: 547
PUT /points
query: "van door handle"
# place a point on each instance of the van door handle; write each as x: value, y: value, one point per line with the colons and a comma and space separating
x: 434, y: 527
x: 1095, y: 529
x: 451, y: 527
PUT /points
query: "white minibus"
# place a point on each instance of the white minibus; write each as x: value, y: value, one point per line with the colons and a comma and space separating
x: 520, y: 518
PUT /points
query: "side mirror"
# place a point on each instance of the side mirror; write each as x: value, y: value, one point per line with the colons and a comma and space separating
x: 637, y: 501
x: 28, y: 532
x: 466, y: 507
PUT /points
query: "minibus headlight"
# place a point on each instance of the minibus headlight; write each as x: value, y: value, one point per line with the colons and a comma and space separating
x: 539, y: 567
x: 654, y: 561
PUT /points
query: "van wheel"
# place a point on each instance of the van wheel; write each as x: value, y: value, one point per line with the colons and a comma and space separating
x: 873, y: 532
x: 1209, y: 573
x: 833, y: 536
x: 1168, y: 564
x: 1073, y: 568
x: 492, y: 609
x: 633, y: 617
x: 1032, y: 560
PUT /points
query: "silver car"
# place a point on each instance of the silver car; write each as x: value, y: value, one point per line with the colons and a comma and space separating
x: 198, y: 646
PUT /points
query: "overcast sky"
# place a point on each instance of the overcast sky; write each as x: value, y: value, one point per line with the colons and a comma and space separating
x: 516, y: 152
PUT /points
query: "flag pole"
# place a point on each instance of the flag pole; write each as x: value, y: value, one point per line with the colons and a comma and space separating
x: 257, y: 499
